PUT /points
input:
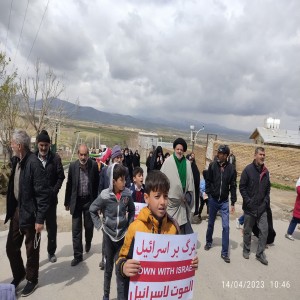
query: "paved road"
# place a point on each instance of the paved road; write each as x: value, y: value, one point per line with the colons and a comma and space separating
x: 241, y: 279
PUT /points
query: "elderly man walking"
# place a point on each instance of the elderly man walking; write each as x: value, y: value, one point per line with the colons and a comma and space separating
x: 81, y: 190
x: 27, y: 203
x: 55, y: 175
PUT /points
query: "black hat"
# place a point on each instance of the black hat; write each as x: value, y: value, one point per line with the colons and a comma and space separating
x: 43, y: 137
x: 224, y: 149
x: 180, y: 141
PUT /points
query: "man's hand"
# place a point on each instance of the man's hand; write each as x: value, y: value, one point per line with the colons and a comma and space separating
x: 39, y: 227
x: 131, y: 267
x: 194, y: 263
x: 232, y: 209
x: 67, y: 208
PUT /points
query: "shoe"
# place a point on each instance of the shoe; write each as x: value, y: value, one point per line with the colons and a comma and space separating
x: 76, y: 261
x: 207, y: 246
x: 196, y: 220
x: 16, y: 282
x: 246, y: 255
x: 237, y: 223
x: 225, y: 258
x: 289, y: 236
x: 52, y: 258
x: 262, y: 259
x: 87, y: 247
x: 105, y: 298
x: 101, y: 265
x: 29, y: 288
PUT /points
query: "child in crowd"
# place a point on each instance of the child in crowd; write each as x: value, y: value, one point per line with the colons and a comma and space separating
x: 114, y: 202
x: 296, y: 214
x: 151, y: 219
x: 137, y: 188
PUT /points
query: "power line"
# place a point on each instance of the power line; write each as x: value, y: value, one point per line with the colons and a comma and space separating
x: 37, y: 33
x: 8, y: 24
x: 21, y: 32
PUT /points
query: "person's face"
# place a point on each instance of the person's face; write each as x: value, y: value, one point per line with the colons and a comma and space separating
x: 150, y: 154
x: 117, y: 159
x: 126, y: 153
x: 260, y: 157
x: 83, y: 155
x: 179, y: 151
x: 193, y: 156
x: 157, y: 203
x: 16, y: 148
x: 43, y: 148
x: 138, y: 179
x: 119, y: 184
x: 222, y: 157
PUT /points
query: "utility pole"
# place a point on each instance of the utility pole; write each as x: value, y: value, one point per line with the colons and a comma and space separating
x: 194, y: 134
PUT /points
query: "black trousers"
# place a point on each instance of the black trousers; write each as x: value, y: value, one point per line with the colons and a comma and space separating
x: 51, y: 225
x: 13, y: 249
x: 81, y: 210
x: 202, y: 202
x: 112, y: 250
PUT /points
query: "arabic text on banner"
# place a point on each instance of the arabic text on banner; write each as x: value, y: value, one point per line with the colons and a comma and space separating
x: 166, y: 271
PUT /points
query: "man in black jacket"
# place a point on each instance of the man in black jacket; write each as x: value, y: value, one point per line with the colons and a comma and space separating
x: 27, y: 203
x: 81, y: 191
x: 55, y: 175
x: 255, y: 189
x: 221, y: 179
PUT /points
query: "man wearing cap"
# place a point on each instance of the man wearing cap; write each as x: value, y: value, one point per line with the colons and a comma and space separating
x: 181, y: 193
x: 116, y: 157
x: 221, y: 179
x: 81, y: 191
x: 55, y: 175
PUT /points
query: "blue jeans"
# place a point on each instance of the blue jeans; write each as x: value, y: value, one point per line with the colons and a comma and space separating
x: 214, y: 207
x: 293, y: 225
x: 241, y: 219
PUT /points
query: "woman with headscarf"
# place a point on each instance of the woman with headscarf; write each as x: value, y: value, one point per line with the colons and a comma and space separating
x: 181, y: 193
x: 148, y: 161
x: 296, y: 214
x: 157, y: 159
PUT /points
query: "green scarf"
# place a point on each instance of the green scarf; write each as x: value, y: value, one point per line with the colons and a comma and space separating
x: 181, y: 167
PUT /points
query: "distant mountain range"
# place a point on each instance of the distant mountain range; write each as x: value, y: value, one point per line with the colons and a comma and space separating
x: 86, y: 113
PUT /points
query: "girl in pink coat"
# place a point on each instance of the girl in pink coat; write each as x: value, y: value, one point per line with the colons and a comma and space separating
x: 296, y: 214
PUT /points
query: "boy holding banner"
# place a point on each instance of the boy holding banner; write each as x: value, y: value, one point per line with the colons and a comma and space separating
x: 152, y: 219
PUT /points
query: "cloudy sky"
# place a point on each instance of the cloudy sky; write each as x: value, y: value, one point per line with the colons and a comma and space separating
x: 223, y: 61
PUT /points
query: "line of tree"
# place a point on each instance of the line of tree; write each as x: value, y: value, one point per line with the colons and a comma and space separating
x: 28, y: 102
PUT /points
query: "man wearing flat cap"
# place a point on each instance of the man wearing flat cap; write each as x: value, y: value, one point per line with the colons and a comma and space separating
x: 181, y: 193
x: 55, y: 176
x: 221, y: 179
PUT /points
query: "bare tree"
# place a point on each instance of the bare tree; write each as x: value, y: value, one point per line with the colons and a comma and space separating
x: 39, y: 93
x: 9, y: 106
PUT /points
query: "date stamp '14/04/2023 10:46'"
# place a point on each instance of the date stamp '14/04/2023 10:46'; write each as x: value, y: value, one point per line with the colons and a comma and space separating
x: 255, y: 284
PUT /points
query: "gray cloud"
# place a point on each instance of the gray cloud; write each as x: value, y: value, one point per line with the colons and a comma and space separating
x: 230, y: 61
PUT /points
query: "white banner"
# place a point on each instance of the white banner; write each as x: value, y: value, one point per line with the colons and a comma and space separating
x: 166, y: 271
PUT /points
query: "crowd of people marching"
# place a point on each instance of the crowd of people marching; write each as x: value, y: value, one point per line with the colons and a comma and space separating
x: 103, y: 196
